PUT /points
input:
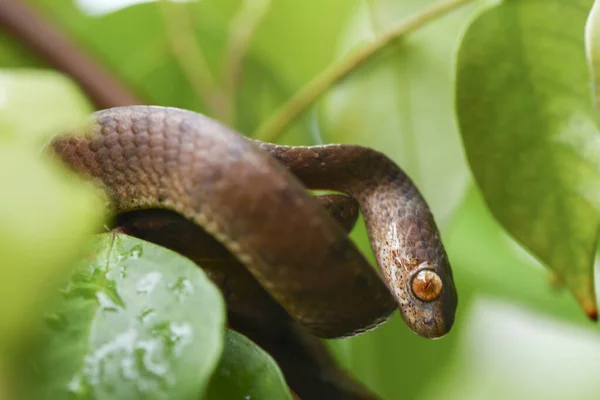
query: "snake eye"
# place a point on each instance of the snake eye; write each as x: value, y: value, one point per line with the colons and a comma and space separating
x: 426, y: 285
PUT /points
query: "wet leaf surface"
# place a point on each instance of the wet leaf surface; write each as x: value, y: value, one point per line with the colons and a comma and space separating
x: 135, y: 321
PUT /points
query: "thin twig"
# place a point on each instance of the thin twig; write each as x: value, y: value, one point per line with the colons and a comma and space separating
x: 187, y: 51
x: 52, y: 46
x: 302, y: 100
x: 242, y: 28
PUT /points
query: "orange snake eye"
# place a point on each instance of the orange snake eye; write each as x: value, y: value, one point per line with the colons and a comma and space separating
x: 426, y: 285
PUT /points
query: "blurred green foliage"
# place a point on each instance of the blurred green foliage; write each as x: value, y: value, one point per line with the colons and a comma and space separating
x: 518, y: 91
x: 46, y: 213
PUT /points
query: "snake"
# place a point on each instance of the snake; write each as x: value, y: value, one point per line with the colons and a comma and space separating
x: 254, y: 199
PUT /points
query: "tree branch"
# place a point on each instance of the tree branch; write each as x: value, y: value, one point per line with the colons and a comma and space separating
x: 302, y: 100
x: 55, y: 48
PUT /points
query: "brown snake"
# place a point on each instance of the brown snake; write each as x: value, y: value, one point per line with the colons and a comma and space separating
x: 251, y: 197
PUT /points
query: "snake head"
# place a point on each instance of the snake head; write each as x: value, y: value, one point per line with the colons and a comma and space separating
x: 426, y: 295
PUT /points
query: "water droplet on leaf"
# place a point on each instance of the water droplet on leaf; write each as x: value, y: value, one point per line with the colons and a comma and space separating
x: 146, y: 315
x: 106, y: 303
x: 148, y: 282
x: 181, y: 288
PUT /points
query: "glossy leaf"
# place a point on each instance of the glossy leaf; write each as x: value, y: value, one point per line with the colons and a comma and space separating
x: 246, y: 372
x: 135, y: 321
x: 528, y: 126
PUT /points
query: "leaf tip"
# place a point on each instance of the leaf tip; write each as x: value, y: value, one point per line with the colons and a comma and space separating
x: 588, y: 304
x: 592, y: 314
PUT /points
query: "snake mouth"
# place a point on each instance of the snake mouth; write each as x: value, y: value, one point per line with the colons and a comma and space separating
x: 436, y: 325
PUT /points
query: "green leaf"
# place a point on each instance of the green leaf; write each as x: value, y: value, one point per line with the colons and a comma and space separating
x: 508, y: 272
x: 592, y: 43
x: 45, y: 215
x: 135, y: 321
x: 528, y: 126
x: 44, y: 221
x: 246, y: 372
x: 37, y: 104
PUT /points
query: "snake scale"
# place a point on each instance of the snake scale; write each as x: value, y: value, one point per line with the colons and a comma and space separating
x: 251, y: 197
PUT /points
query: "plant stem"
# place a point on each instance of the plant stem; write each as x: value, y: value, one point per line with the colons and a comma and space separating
x: 303, y: 99
x: 243, y: 26
x: 187, y: 51
x: 54, y: 47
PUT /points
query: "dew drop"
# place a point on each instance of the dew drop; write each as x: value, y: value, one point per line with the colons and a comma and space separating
x: 182, y: 288
x: 133, y: 253
x: 150, y: 359
x: 95, y: 364
x: 143, y: 362
x: 128, y: 369
x: 123, y: 271
x: 78, y: 388
x: 181, y: 336
x: 146, y: 315
x: 106, y: 302
x: 136, y: 251
x: 148, y: 282
x: 97, y: 270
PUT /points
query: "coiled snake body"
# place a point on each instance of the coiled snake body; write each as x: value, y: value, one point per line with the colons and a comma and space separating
x: 251, y: 197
